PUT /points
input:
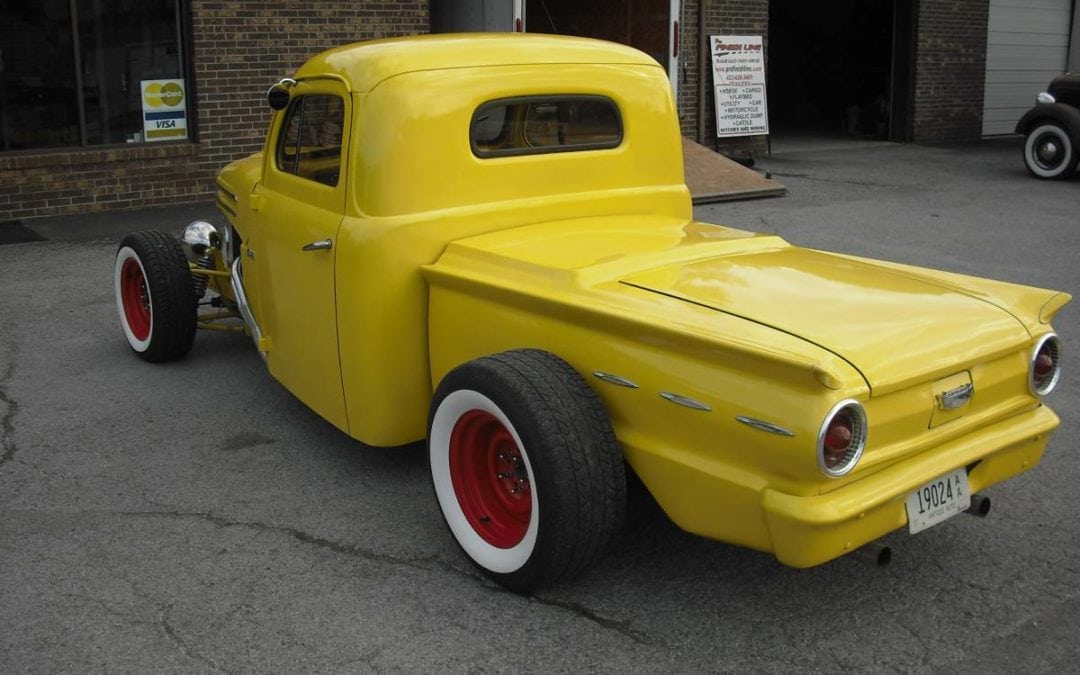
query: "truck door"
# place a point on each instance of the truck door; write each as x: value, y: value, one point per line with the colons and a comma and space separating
x: 302, y: 201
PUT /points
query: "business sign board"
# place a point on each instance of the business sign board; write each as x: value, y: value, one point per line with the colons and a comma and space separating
x: 164, y: 108
x: 739, y: 85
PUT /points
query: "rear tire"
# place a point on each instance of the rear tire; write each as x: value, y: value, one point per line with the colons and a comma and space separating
x: 526, y: 468
x: 155, y: 296
x: 1049, y: 152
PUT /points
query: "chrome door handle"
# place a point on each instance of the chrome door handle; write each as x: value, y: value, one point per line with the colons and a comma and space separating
x: 324, y: 245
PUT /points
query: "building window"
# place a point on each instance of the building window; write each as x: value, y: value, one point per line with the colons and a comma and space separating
x: 542, y: 124
x: 91, y: 72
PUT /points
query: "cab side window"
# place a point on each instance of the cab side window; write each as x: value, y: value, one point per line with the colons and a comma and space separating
x: 310, y: 142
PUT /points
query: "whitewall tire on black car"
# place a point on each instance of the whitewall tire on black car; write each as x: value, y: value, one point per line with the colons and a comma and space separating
x: 1049, y: 152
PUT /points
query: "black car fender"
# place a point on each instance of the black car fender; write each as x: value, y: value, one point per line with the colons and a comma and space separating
x: 1062, y: 113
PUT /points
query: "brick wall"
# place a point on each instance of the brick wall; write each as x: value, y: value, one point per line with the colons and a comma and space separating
x: 950, y: 70
x: 240, y: 48
x: 97, y: 180
x: 722, y: 17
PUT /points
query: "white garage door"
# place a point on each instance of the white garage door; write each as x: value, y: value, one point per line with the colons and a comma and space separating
x: 1027, y: 46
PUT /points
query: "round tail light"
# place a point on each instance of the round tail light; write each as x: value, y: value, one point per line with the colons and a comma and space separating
x: 842, y: 438
x: 1045, y: 368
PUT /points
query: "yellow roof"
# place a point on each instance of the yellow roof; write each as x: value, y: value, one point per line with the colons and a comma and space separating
x: 363, y: 65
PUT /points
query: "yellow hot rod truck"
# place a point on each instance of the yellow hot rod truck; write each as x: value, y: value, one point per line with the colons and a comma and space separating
x: 487, y: 241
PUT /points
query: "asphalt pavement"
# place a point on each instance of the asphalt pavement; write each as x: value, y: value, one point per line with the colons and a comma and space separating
x: 195, y: 517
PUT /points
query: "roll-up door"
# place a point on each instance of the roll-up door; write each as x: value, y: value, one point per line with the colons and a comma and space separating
x: 1027, y: 46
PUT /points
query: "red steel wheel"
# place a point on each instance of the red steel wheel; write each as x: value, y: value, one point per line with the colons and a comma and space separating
x: 135, y: 299
x: 496, y: 527
x: 525, y: 467
x: 490, y: 479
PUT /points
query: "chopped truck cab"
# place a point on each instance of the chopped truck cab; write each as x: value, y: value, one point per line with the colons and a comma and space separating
x: 487, y: 241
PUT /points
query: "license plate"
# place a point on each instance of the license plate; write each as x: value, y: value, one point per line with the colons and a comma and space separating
x: 938, y: 500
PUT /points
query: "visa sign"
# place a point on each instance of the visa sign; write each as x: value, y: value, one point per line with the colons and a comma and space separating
x: 164, y: 105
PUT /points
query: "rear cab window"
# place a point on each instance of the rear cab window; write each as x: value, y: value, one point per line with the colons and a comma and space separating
x: 532, y: 125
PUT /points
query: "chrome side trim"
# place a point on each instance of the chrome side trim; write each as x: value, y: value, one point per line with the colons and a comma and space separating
x: 615, y: 379
x: 242, y: 304
x: 685, y: 401
x: 762, y: 425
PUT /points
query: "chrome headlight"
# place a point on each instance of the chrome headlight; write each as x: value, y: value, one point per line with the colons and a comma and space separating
x: 1045, y: 97
x: 198, y: 239
x: 842, y: 438
x: 1044, y: 369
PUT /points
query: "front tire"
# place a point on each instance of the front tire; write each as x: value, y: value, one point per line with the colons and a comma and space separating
x: 1049, y: 152
x: 155, y: 296
x: 525, y: 468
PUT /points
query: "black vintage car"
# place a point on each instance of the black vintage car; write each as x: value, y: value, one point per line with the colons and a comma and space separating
x: 1052, y: 127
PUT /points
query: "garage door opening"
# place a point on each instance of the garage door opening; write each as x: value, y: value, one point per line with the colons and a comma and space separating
x: 840, y: 68
x: 648, y: 25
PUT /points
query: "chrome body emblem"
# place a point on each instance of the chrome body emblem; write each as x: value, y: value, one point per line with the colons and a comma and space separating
x: 762, y: 425
x: 685, y: 401
x: 615, y: 379
x: 956, y: 398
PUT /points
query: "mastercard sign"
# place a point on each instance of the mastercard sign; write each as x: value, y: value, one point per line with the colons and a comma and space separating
x: 164, y: 105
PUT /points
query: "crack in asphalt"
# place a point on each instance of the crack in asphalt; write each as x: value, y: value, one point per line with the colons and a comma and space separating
x: 621, y: 627
x: 949, y: 574
x: 104, y: 606
x: 365, y: 659
x: 163, y: 621
x: 7, y: 423
x: 924, y: 658
x: 423, y: 563
x: 163, y: 611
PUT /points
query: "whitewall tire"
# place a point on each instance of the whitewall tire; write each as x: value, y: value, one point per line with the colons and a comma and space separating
x: 1049, y: 152
x: 494, y: 519
x: 155, y: 296
x: 525, y: 468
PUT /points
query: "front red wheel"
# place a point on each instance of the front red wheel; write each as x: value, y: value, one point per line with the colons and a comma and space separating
x: 155, y: 296
x: 134, y: 297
